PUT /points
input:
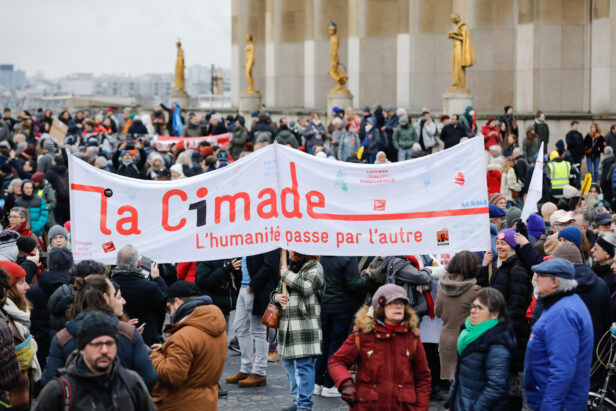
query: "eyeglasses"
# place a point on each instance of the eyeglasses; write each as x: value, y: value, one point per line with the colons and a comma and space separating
x: 98, y: 345
x: 14, y: 217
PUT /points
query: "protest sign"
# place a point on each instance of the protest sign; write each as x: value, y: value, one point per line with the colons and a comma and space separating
x: 163, y: 143
x: 58, y: 131
x: 280, y: 197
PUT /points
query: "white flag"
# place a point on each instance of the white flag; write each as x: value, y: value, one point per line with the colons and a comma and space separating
x: 536, y: 187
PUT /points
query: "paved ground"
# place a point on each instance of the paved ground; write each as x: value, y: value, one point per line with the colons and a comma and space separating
x: 274, y: 396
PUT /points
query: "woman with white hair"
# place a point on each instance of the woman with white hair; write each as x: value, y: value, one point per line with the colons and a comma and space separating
x: 184, y: 159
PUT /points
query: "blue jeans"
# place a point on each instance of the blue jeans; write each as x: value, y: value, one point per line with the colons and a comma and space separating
x: 404, y: 154
x: 301, y: 379
x: 593, y: 167
x: 336, y: 328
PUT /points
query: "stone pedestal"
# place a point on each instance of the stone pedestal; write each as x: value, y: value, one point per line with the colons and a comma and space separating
x: 250, y: 102
x: 181, y: 97
x: 456, y: 101
x: 338, y: 100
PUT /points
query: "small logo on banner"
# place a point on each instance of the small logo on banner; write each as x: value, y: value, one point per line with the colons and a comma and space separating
x: 108, y: 247
x: 442, y: 237
x: 459, y: 180
x: 379, y: 205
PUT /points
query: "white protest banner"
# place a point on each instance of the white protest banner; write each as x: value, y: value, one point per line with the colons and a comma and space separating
x: 535, y: 190
x: 280, y: 197
x: 163, y: 143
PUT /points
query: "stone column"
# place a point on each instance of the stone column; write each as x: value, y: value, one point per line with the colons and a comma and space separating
x: 247, y: 17
x: 603, y: 57
x: 553, y: 56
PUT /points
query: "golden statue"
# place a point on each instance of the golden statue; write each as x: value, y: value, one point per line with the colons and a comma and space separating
x: 462, y: 55
x: 178, y: 82
x: 340, y: 77
x: 249, y: 63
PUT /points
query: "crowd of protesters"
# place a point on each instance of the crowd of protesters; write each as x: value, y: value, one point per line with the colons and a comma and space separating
x: 517, y: 325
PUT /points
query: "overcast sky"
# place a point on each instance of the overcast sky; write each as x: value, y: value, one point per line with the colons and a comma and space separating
x: 113, y: 36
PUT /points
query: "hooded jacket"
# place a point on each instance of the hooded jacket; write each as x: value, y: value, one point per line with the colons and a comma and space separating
x: 191, y: 361
x: 453, y: 305
x: 482, y: 374
x: 120, y: 389
x: 38, y: 212
x: 132, y: 352
x: 58, y: 304
x: 60, y: 262
x: 392, y: 369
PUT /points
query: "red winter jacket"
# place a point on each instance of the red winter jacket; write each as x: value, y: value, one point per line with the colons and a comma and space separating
x: 392, y: 369
x: 494, y: 181
x: 186, y: 271
x: 491, y: 136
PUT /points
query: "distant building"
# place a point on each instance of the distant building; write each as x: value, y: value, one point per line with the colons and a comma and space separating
x: 11, y: 78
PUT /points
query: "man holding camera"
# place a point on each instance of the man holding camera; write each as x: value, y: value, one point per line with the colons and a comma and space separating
x: 145, y: 298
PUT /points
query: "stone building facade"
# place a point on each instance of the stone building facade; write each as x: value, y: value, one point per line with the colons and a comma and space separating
x: 555, y: 55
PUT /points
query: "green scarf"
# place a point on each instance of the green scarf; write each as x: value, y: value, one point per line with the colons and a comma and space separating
x: 472, y: 332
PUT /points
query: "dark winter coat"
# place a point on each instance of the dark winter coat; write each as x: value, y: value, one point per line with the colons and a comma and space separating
x: 594, y: 146
x: 451, y: 135
x: 145, y: 300
x: 264, y: 272
x: 315, y: 134
x: 239, y: 137
x: 121, y: 389
x: 39, y: 295
x: 605, y: 272
x: 217, y: 279
x: 261, y: 131
x: 483, y: 370
x: 132, y: 351
x: 575, y: 145
x: 513, y: 281
x: 345, y: 288
x: 392, y: 369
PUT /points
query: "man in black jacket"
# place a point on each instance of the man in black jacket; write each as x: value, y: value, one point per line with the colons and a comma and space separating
x: 452, y: 131
x: 145, y: 299
x: 260, y: 275
x: 575, y: 143
x: 93, y: 378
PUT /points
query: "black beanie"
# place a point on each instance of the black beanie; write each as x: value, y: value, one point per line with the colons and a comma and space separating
x: 95, y: 324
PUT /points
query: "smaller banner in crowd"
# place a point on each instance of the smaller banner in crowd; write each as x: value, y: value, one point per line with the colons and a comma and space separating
x: 280, y: 197
x: 163, y: 143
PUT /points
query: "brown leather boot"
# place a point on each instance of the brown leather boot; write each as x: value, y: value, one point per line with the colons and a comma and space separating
x: 253, y: 380
x: 237, y: 377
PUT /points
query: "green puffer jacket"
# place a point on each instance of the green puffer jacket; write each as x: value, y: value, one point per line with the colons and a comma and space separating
x: 405, y: 137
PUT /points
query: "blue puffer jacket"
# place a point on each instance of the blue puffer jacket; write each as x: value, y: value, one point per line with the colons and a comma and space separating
x: 133, y: 354
x: 558, y: 356
x: 38, y: 212
x: 482, y: 372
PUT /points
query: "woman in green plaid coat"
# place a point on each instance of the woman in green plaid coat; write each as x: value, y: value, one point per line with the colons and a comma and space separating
x: 299, y: 334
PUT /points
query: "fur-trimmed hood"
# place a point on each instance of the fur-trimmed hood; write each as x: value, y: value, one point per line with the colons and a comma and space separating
x: 366, y: 323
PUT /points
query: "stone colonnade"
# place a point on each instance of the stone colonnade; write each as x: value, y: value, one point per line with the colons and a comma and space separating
x: 553, y: 55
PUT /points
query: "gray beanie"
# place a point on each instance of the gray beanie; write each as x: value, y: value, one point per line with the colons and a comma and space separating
x: 569, y: 252
x: 404, y: 119
x: 48, y: 145
x: 56, y: 230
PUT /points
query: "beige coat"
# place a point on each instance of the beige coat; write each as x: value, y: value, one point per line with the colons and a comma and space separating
x: 453, y: 305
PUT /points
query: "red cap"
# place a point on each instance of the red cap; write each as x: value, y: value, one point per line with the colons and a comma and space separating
x: 38, y: 177
x: 14, y: 271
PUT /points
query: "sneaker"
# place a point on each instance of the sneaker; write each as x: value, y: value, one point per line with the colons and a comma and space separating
x: 235, y: 347
x: 331, y: 392
x: 317, y: 389
x: 236, y: 378
x: 222, y: 393
x: 253, y: 380
x: 290, y: 408
x: 272, y: 356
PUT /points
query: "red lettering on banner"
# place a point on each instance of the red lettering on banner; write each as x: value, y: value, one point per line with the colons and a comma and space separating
x: 132, y: 219
x: 271, y: 202
x: 292, y: 191
x: 165, y: 217
x: 101, y: 191
x: 232, y: 199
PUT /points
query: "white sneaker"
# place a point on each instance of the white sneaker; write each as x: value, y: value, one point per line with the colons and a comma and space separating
x: 317, y: 389
x: 330, y: 392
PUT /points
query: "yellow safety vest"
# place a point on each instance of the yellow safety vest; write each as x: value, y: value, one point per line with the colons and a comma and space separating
x: 559, y: 174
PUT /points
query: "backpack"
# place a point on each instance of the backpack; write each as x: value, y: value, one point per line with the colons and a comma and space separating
x: 417, y: 299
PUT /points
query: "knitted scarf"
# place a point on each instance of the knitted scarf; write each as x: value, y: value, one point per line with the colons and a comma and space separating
x: 472, y: 332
